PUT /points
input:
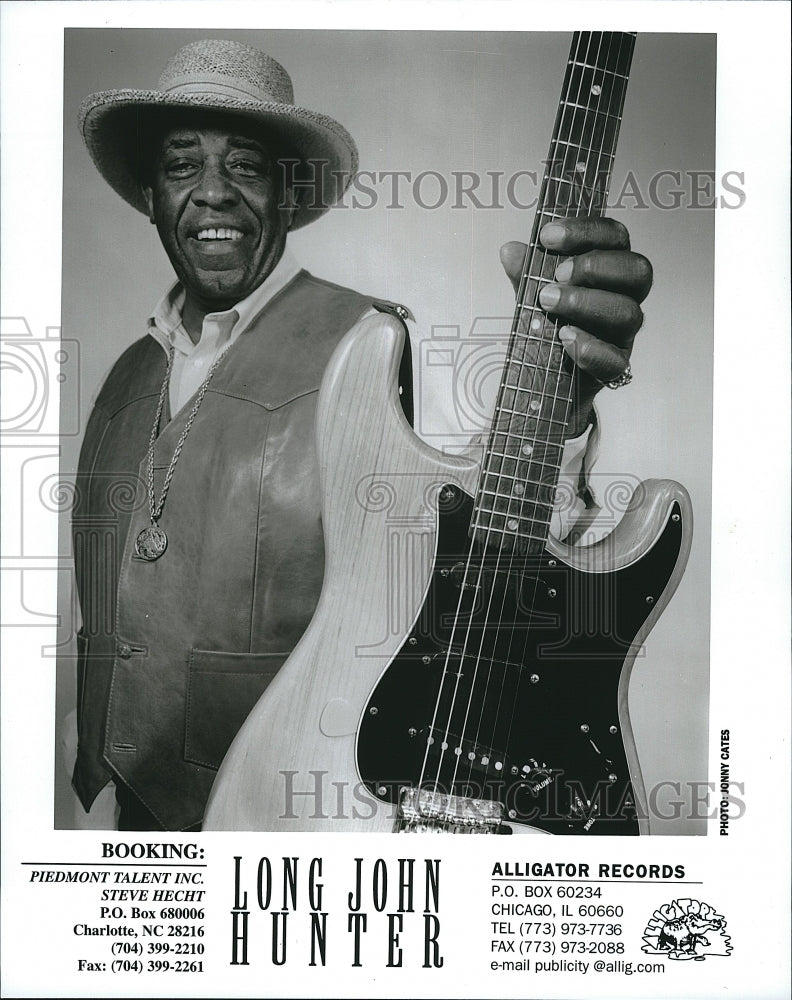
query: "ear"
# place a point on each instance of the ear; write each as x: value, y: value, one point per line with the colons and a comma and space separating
x: 148, y: 195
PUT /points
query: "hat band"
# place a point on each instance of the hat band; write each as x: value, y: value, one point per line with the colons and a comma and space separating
x: 220, y: 87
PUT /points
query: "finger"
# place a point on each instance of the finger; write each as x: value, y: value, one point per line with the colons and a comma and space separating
x: 596, y: 357
x: 581, y: 233
x: 513, y: 259
x: 612, y: 270
x: 610, y: 316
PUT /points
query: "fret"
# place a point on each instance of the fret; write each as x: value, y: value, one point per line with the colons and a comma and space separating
x: 528, y: 364
x: 599, y: 69
x: 576, y: 179
x: 512, y: 445
x: 502, y: 448
x: 591, y: 84
x: 551, y: 381
x: 555, y: 466
x: 580, y: 167
x: 546, y: 337
x: 545, y: 354
x: 521, y: 533
x: 550, y: 376
x: 485, y: 517
x: 530, y: 451
x: 515, y: 523
x: 533, y: 412
x: 582, y: 115
x: 509, y: 521
x: 541, y: 281
x: 516, y: 498
x: 538, y: 415
x: 576, y: 146
x: 522, y: 471
x: 596, y: 111
x: 527, y: 466
x: 527, y: 276
x: 511, y: 532
x: 529, y: 457
x: 534, y: 483
x: 577, y: 186
x: 505, y: 440
x: 527, y: 482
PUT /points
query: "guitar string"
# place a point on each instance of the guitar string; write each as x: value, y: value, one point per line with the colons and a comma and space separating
x: 465, y: 586
x: 459, y: 760
x: 552, y: 366
x: 527, y: 270
x: 586, y: 206
x: 487, y: 534
x: 488, y: 531
x: 587, y: 197
x: 571, y: 103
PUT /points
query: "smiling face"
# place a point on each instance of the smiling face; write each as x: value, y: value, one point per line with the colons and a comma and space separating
x: 215, y: 198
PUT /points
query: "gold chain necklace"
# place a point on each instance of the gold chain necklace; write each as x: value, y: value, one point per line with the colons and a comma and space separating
x: 152, y: 541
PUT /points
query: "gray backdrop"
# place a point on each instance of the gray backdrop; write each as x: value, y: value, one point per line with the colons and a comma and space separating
x: 446, y: 102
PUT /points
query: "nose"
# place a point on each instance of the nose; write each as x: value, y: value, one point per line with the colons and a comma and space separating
x: 214, y: 188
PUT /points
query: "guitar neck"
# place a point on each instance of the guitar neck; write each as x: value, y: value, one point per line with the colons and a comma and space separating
x: 516, y: 490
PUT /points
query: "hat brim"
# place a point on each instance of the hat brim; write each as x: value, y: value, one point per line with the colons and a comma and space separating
x: 113, y: 122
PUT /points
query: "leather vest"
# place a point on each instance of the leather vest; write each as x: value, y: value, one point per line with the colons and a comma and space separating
x: 174, y: 653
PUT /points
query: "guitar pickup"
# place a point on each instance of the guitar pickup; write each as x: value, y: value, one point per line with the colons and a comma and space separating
x: 472, y: 757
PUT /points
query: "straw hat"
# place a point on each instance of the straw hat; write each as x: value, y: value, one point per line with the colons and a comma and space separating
x: 220, y: 76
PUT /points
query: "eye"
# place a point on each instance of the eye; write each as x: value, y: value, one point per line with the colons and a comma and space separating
x: 249, y: 166
x: 180, y: 168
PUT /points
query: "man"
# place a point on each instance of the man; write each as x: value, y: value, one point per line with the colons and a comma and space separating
x: 212, y: 576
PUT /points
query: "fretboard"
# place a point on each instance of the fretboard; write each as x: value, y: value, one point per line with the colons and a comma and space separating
x: 515, y: 498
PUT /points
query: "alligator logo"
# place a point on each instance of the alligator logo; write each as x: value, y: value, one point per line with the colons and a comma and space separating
x: 686, y: 929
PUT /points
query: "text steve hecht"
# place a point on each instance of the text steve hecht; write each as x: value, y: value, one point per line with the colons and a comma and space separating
x: 390, y: 889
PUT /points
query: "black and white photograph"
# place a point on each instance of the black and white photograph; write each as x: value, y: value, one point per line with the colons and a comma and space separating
x: 186, y: 619
x: 381, y: 458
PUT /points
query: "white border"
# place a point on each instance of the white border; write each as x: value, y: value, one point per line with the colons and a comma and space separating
x: 750, y: 582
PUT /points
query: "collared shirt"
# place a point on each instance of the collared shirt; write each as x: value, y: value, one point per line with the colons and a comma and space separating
x: 192, y: 361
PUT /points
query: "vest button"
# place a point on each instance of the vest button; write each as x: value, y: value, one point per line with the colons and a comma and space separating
x: 124, y: 651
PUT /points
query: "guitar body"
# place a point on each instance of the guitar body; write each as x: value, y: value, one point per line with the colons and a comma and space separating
x: 385, y: 690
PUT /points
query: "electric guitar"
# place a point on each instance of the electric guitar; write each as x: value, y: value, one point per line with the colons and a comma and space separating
x: 465, y: 671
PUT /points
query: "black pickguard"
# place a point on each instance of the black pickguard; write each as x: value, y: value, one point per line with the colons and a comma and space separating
x: 533, y: 719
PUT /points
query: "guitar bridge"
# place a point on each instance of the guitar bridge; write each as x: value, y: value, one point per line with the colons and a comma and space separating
x: 422, y: 810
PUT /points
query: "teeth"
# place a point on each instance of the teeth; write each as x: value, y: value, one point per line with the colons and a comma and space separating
x: 219, y: 234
